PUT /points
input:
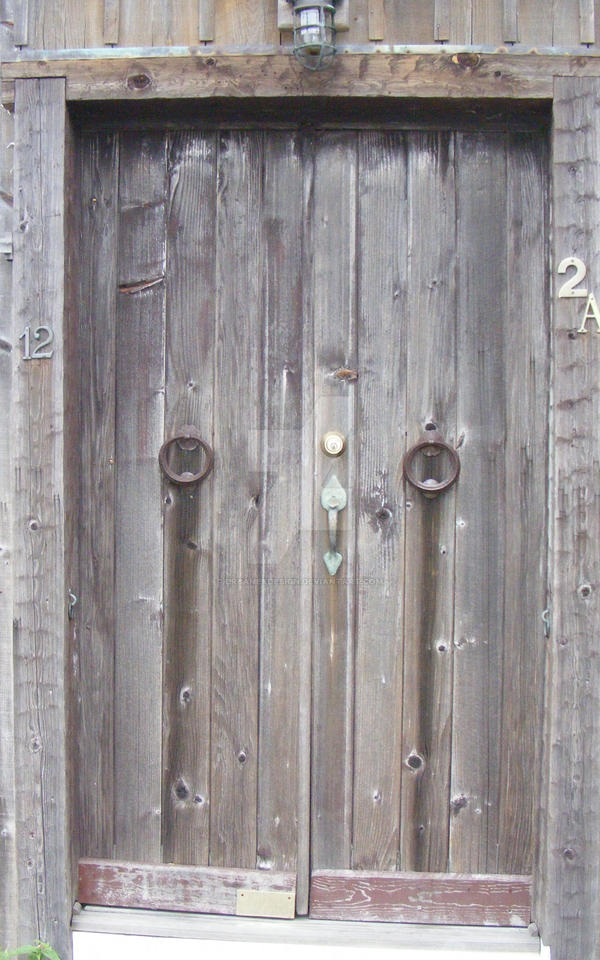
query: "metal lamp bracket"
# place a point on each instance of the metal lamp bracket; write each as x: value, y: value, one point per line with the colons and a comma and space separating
x: 285, y: 19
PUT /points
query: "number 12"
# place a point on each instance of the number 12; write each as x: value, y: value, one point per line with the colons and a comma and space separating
x: 39, y: 351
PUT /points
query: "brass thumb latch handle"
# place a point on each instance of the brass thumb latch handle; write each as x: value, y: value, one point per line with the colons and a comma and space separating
x: 431, y: 446
x: 333, y: 499
x: 187, y: 438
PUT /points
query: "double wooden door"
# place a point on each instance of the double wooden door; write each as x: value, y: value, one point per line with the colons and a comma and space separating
x: 238, y: 706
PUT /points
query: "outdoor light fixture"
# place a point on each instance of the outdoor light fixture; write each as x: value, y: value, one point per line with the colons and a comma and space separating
x: 314, y: 32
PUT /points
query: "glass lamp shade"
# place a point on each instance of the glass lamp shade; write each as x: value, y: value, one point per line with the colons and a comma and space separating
x: 314, y: 33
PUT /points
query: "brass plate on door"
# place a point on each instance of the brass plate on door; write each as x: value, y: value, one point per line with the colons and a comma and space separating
x: 277, y: 904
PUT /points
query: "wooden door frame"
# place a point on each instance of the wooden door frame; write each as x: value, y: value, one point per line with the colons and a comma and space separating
x: 567, y: 881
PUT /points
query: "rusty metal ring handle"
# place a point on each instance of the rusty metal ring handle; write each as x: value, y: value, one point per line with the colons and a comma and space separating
x: 185, y: 479
x: 431, y: 487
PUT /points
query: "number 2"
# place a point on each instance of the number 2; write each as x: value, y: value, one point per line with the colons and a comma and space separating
x: 569, y: 287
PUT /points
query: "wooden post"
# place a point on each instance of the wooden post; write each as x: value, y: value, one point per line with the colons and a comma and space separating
x: 37, y: 441
x: 8, y: 883
x: 569, y: 869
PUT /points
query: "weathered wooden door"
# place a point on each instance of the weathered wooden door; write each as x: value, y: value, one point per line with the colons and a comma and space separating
x: 240, y: 707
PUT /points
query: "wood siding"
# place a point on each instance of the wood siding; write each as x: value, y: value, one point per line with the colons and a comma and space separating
x: 44, y: 24
x: 568, y: 872
x: 253, y: 265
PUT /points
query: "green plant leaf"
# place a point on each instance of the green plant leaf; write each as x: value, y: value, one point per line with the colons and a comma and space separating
x: 47, y: 951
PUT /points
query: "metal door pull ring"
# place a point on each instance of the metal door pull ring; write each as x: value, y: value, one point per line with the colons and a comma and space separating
x: 431, y: 487
x: 182, y: 438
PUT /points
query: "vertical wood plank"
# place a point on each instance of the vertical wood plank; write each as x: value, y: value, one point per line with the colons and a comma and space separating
x: 587, y: 22
x: 8, y: 889
x: 376, y: 20
x: 83, y: 23
x: 307, y: 537
x: 112, y: 13
x: 242, y: 22
x: 480, y: 502
x: 95, y: 614
x: 283, y: 595
x: 40, y: 626
x: 159, y: 23
x: 487, y: 22
x: 382, y: 279
x: 45, y: 28
x: 21, y: 31
x: 441, y: 21
x: 461, y: 21
x: 526, y: 459
x: 569, y: 872
x: 535, y: 23
x: 430, y: 524
x: 566, y: 23
x: 411, y: 21
x: 237, y: 404
x: 206, y: 20
x: 188, y: 510
x: 510, y: 21
x: 138, y: 515
x: 334, y: 314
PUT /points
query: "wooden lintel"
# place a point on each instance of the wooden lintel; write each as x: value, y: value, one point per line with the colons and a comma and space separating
x: 464, y: 75
x: 486, y: 900
x: 189, y: 889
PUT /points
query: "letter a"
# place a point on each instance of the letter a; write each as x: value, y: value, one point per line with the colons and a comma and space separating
x: 592, y: 312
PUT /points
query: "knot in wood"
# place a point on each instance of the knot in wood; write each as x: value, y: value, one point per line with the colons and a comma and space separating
x: 139, y: 81
x: 414, y: 761
x: 458, y: 803
x: 466, y: 61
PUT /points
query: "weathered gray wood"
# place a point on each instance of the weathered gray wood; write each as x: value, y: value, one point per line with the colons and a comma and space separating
x: 566, y: 22
x: 188, y: 510
x: 170, y: 887
x: 40, y: 627
x: 526, y: 459
x: 480, y: 502
x: 568, y: 871
x: 306, y: 555
x: 461, y: 21
x: 8, y: 867
x: 430, y: 524
x: 237, y: 506
x: 408, y: 21
x: 21, y: 21
x: 535, y: 22
x: 510, y: 21
x: 94, y: 612
x: 381, y: 367
x: 138, y: 513
x: 283, y: 594
x: 587, y: 21
x: 310, y: 932
x: 421, y: 898
x: 441, y: 21
x: 112, y: 12
x: 333, y: 313
x: 206, y: 20
x: 487, y: 22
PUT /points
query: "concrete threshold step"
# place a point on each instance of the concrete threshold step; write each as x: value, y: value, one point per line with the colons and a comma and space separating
x: 121, y: 934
